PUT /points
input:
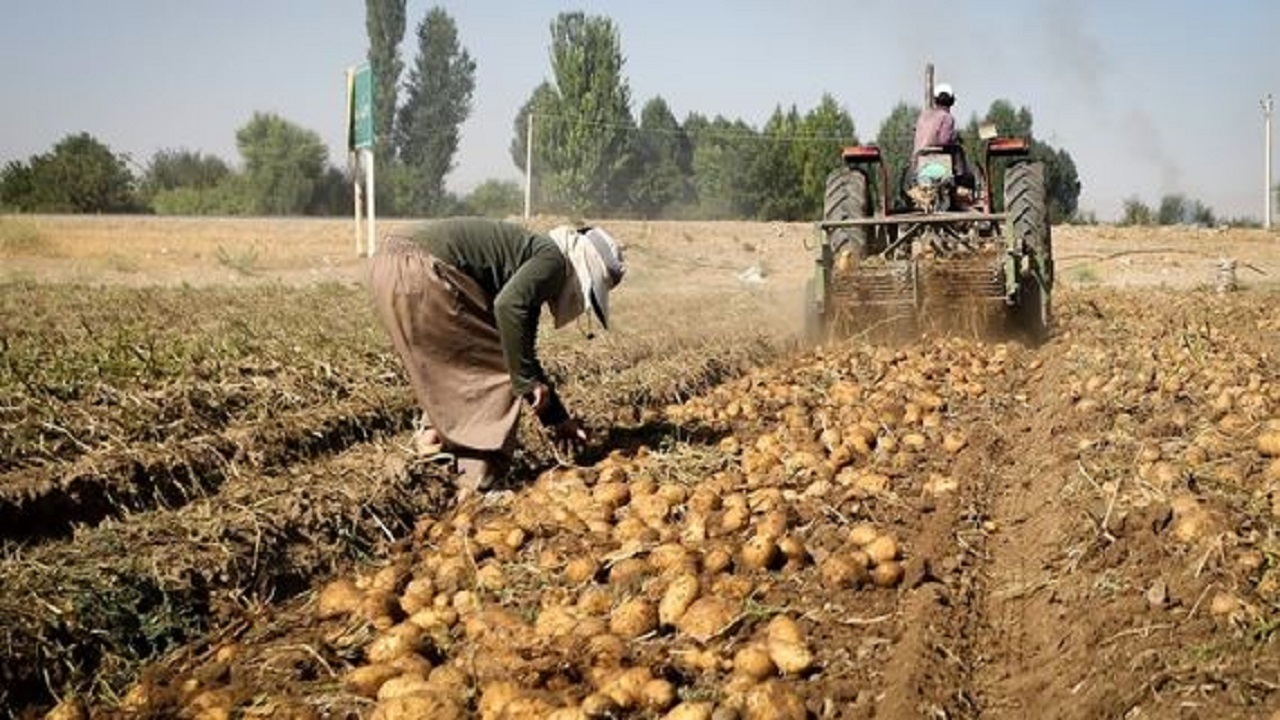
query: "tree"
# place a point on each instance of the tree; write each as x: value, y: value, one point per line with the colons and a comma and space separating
x: 895, y: 139
x: 824, y: 132
x: 80, y: 174
x: 17, y: 187
x: 662, y: 176
x: 1062, y: 182
x: 721, y: 151
x: 170, y: 169
x: 774, y: 174
x: 584, y: 143
x: 1135, y: 212
x: 438, y: 100
x: 384, y: 23
x: 495, y: 199
x: 283, y: 164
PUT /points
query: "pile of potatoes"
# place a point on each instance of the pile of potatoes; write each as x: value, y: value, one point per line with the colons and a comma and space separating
x: 633, y: 586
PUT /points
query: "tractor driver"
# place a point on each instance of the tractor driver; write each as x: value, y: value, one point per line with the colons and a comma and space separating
x: 936, y: 127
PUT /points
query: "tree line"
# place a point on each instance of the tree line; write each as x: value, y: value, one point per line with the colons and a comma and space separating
x: 591, y: 155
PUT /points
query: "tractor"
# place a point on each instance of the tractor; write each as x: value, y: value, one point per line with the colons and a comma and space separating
x: 943, y: 249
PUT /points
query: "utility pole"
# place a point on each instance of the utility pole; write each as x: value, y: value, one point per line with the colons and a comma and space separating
x: 928, y: 85
x: 1268, y: 108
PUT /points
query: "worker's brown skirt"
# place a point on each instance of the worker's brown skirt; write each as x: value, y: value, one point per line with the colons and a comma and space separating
x: 442, y: 324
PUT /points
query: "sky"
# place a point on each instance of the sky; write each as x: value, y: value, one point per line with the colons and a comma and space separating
x: 1149, y: 97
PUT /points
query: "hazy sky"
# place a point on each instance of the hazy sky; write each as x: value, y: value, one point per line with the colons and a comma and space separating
x: 1148, y: 96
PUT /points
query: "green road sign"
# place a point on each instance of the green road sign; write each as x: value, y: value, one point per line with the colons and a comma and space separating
x: 360, y: 108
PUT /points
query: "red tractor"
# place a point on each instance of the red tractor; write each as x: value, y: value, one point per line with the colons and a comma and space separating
x: 945, y: 246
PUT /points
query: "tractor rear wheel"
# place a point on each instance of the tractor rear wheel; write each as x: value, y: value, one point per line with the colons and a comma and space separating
x: 1026, y: 202
x: 847, y: 199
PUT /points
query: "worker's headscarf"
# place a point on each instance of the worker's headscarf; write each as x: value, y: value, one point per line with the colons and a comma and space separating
x: 595, y: 268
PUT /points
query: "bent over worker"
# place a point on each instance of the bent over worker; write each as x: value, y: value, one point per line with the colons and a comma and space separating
x: 461, y: 299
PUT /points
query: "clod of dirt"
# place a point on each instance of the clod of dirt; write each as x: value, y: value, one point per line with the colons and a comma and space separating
x: 1158, y: 594
x: 1192, y: 521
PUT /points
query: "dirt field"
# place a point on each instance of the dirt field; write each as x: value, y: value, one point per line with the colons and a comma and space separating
x: 208, y: 510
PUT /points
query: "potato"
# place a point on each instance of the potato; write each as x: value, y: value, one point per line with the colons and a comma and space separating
x: 606, y: 650
x: 774, y: 700
x: 400, y: 640
x: 402, y: 685
x: 674, y: 493
x: 567, y: 713
x: 450, y: 679
x: 626, y: 687
x: 883, y: 549
x: 754, y: 662
x: 862, y: 534
x: 691, y: 710
x: 677, y: 599
x: 555, y: 621
x: 212, y: 703
x: 954, y: 442
x: 528, y: 706
x: 734, y: 518
x: 580, y: 570
x: 71, y: 708
x: 433, y: 617
x: 914, y: 441
x: 1269, y: 443
x: 1224, y: 603
x: 490, y: 577
x: 417, y: 595
x: 658, y: 695
x: 887, y: 574
x: 391, y: 578
x: 495, y: 697
x: 760, y: 553
x: 774, y: 523
x: 673, y: 557
x: 611, y: 495
x: 414, y: 707
x: 717, y: 560
x: 599, y: 705
x: 707, y: 617
x: 1272, y: 472
x: 629, y: 571
x: 339, y: 599
x: 840, y: 571
x: 595, y: 601
x: 697, y: 661
x: 787, y: 646
x: 794, y: 550
x: 412, y: 664
x: 634, y: 618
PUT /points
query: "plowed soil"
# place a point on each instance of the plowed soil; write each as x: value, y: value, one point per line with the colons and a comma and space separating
x: 1083, y: 529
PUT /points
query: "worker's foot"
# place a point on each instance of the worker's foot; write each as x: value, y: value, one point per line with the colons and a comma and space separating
x: 426, y: 442
x: 475, y: 476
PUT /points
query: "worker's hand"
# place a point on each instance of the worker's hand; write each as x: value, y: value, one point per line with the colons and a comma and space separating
x: 538, y: 396
x: 569, y: 437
